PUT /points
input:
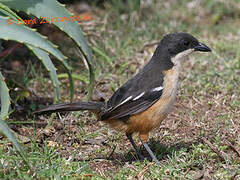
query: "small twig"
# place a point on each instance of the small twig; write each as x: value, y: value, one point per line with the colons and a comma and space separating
x: 233, y: 147
x: 140, y: 175
x: 220, y: 153
x: 110, y: 155
x: 94, y: 34
x: 188, y: 169
x: 199, y: 175
x: 100, y: 158
x: 95, y: 141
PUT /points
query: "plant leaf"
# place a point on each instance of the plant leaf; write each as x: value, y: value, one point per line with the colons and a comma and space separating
x: 5, y: 103
x: 104, y: 56
x: 5, y: 98
x: 5, y: 10
x: 7, y: 132
x: 79, y: 77
x: 45, y: 59
x: 52, y: 9
x: 24, y: 34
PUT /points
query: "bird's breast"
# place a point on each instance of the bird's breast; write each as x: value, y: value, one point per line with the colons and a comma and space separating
x: 170, y: 85
x: 158, y: 111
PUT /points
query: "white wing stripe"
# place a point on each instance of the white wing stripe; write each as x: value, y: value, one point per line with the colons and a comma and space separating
x: 158, y: 88
x: 140, y: 95
x: 130, y: 97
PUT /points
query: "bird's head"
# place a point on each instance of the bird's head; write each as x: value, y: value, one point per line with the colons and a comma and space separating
x: 180, y: 45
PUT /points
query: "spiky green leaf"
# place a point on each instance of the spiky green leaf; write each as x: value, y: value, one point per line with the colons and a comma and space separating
x: 5, y: 98
x: 8, y: 12
x: 26, y: 35
x: 52, y: 9
x: 45, y: 59
x: 7, y: 132
x: 5, y: 103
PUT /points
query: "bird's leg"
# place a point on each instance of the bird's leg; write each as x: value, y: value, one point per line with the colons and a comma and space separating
x: 129, y: 136
x: 150, y: 152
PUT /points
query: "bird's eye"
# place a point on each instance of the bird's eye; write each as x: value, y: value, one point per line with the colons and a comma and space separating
x: 186, y: 43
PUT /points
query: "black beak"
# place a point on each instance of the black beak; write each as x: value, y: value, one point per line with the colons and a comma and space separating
x: 202, y: 47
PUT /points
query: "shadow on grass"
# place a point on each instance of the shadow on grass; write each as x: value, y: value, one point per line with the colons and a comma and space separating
x: 160, y: 150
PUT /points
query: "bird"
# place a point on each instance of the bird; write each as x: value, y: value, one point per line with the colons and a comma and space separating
x: 145, y: 100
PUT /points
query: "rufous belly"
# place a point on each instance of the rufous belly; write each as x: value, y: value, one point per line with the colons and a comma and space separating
x: 143, y: 122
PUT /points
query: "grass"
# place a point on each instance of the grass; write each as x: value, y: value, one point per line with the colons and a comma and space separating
x: 208, y: 103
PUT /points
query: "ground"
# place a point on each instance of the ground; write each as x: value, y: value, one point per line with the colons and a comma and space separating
x: 198, y: 140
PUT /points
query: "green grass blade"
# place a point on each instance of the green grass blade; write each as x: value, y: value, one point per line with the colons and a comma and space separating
x: 75, y: 76
x: 5, y: 98
x: 104, y: 56
x: 5, y: 103
x: 91, y: 85
x: 7, y: 132
x: 45, y: 59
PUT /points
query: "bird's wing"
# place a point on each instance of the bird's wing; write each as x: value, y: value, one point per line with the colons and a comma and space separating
x: 134, y: 104
x: 140, y: 92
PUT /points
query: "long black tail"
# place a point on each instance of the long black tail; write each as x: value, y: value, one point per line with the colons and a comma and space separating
x: 78, y: 106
